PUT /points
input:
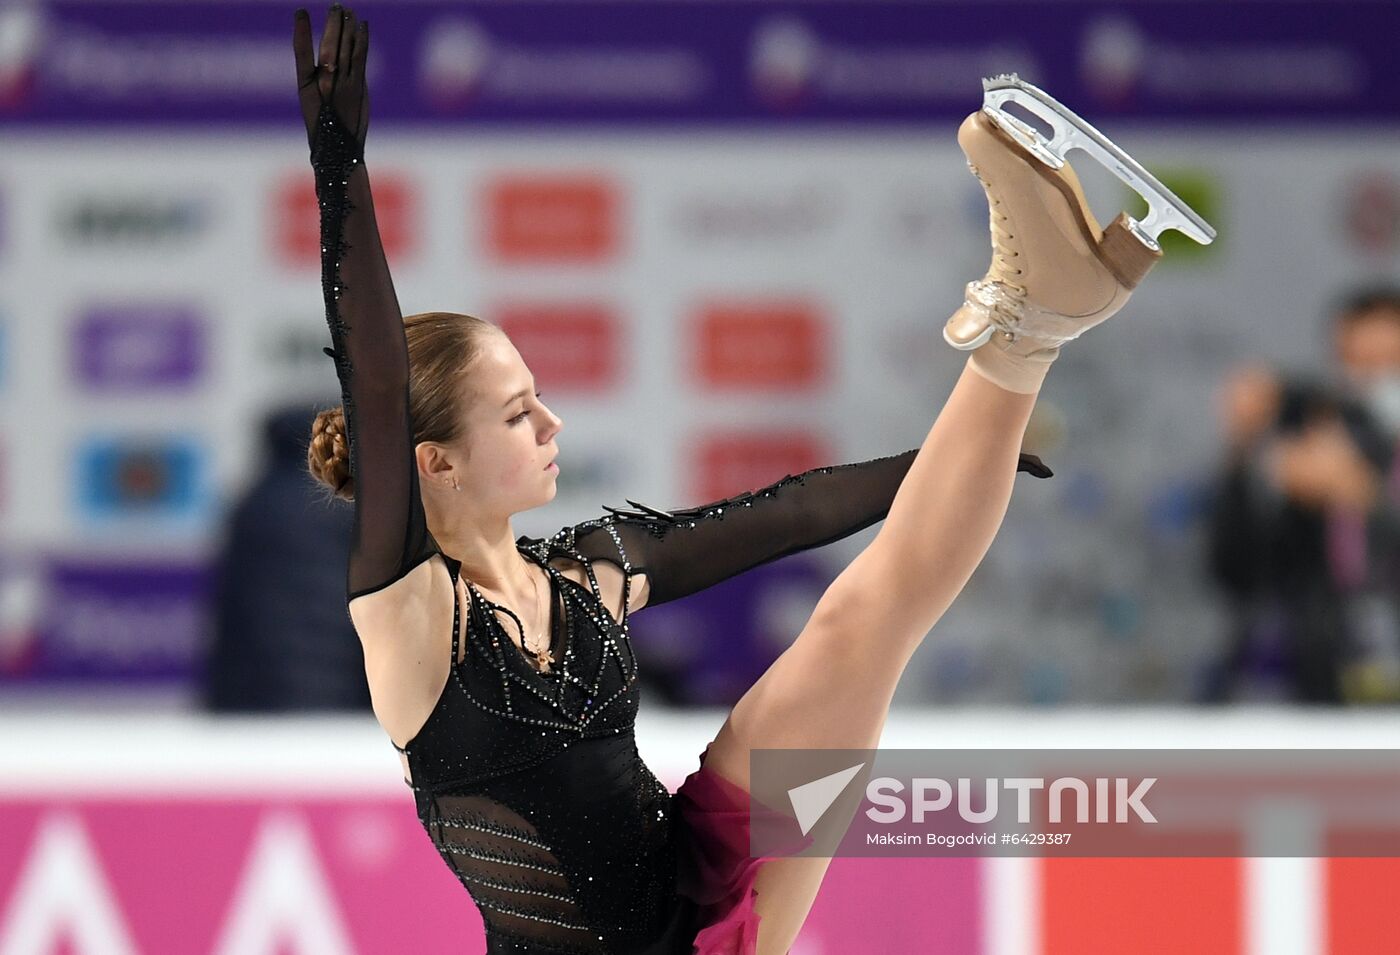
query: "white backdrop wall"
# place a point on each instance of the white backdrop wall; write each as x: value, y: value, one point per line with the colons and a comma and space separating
x: 166, y: 289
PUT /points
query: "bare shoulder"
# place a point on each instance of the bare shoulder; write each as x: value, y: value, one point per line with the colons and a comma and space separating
x: 610, y: 582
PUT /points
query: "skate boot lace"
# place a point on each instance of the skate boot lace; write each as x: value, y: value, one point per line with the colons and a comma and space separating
x: 999, y: 295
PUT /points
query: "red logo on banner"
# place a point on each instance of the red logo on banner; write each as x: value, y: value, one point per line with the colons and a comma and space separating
x: 558, y: 219
x: 296, y: 216
x: 780, y: 345
x: 566, y: 345
x: 730, y: 464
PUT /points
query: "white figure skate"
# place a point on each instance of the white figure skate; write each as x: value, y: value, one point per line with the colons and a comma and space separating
x: 1055, y: 273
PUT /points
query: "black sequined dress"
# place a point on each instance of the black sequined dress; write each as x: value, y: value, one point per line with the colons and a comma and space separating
x: 528, y: 781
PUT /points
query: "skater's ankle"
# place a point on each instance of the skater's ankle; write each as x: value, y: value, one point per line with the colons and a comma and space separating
x: 1020, y: 373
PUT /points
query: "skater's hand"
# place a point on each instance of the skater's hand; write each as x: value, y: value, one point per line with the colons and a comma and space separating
x: 337, y: 77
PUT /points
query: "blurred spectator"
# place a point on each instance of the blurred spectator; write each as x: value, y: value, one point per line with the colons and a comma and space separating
x: 283, y: 639
x: 1305, y: 526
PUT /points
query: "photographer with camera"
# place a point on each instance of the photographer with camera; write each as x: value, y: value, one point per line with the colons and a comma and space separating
x: 1305, y: 522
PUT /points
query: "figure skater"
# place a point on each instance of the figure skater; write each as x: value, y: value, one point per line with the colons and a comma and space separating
x: 501, y: 667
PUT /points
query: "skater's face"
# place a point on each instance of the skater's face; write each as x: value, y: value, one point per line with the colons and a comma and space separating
x: 1368, y: 345
x: 501, y: 462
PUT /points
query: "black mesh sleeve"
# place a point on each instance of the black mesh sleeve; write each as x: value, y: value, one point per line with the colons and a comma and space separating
x: 682, y: 552
x: 390, y: 534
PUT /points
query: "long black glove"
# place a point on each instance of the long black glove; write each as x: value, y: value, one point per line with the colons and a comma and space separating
x: 390, y: 534
x: 685, y: 551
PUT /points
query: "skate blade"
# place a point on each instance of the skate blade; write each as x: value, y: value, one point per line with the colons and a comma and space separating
x: 1165, y: 210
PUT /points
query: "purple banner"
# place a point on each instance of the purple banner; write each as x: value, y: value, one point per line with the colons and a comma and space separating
x: 118, y: 622
x: 725, y: 63
x: 708, y: 648
x: 138, y: 347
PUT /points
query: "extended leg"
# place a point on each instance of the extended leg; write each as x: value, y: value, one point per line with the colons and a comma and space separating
x: 832, y: 688
x: 1054, y: 274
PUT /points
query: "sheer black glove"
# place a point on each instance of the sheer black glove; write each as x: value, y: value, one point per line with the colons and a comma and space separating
x: 334, y: 97
x: 685, y: 551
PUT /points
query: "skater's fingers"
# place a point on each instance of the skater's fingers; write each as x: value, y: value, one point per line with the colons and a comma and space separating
x: 330, y: 38
x: 301, y: 47
x: 360, y: 51
x: 347, y: 40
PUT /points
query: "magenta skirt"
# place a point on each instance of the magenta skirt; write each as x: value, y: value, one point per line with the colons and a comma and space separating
x: 716, y: 871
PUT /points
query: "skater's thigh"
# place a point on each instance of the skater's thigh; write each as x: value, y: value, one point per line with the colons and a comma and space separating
x: 784, y: 891
x: 831, y: 689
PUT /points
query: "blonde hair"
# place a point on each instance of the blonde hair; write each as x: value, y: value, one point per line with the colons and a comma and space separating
x: 442, y: 349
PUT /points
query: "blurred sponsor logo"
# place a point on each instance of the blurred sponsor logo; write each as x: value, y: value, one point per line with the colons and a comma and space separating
x: 134, y: 477
x: 570, y: 345
x: 122, y: 620
x: 296, y: 217
x: 463, y: 64
x: 783, y: 58
x: 552, y: 219
x: 456, y: 55
x: 1371, y: 211
x: 790, y: 64
x: 1118, y: 60
x: 137, y: 347
x: 1112, y: 58
x: 778, y: 345
x: 725, y: 465
x: 116, y: 63
x: 111, y: 220
x: 22, y: 27
x: 801, y: 211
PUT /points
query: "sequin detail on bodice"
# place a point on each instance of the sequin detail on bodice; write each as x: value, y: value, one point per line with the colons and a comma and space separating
x: 530, y: 785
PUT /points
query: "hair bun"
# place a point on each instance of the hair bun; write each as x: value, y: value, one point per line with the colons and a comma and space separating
x: 328, y: 454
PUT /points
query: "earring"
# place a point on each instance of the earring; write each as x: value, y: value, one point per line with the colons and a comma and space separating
x: 455, y: 485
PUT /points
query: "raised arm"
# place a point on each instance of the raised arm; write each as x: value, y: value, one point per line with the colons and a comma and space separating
x: 390, y: 534
x: 682, y: 552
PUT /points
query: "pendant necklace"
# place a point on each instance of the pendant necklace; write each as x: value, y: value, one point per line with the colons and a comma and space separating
x: 545, y: 655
